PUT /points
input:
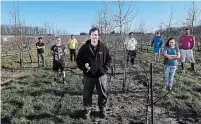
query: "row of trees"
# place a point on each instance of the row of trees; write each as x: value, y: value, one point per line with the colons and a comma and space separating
x: 121, y: 19
x: 18, y: 29
x: 24, y: 30
x: 17, y: 26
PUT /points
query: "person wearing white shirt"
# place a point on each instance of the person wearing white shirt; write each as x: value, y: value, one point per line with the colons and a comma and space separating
x: 130, y: 46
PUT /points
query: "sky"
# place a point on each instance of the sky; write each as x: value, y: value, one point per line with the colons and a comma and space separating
x: 78, y: 16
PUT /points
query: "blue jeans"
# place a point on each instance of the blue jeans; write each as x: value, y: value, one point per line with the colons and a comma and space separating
x: 41, y: 55
x: 169, y: 72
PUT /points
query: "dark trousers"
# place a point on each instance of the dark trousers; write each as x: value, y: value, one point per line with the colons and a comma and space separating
x: 89, y: 84
x: 72, y: 54
x: 40, y: 58
x: 131, y: 54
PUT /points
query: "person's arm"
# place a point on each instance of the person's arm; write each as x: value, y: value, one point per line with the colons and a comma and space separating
x: 43, y: 46
x: 152, y: 42
x: 52, y: 50
x: 193, y: 43
x: 108, y: 60
x: 135, y: 42
x: 180, y: 42
x: 38, y: 47
x: 167, y: 55
x: 76, y: 44
x: 178, y: 55
x: 125, y: 43
x: 80, y: 60
x: 65, y: 51
x: 68, y: 44
x: 161, y: 43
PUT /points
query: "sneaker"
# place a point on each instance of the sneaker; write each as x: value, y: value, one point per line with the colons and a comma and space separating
x: 169, y: 87
x: 64, y: 81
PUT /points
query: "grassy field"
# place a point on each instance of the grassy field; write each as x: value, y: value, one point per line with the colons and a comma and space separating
x: 36, y: 99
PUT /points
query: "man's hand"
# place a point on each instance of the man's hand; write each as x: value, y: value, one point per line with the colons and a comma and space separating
x: 39, y: 47
x: 87, y: 67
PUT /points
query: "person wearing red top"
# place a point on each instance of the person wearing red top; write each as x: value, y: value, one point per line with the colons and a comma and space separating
x: 186, y: 45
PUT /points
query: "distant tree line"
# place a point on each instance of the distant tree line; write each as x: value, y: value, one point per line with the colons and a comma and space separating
x: 177, y: 31
x: 23, y: 30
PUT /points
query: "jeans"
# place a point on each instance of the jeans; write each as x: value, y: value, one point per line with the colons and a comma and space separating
x: 89, y: 85
x: 169, y: 72
x: 41, y: 55
x: 72, y: 54
x: 131, y: 54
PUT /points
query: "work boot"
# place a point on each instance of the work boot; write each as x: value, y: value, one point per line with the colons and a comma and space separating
x: 64, y: 82
x: 193, y: 67
x: 182, y: 66
x: 102, y: 113
x: 87, y: 112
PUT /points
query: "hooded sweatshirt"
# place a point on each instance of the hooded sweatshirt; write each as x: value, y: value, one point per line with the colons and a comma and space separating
x: 98, y: 57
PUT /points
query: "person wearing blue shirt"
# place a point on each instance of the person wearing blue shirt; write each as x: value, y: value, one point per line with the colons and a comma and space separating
x: 171, y: 54
x: 157, y: 43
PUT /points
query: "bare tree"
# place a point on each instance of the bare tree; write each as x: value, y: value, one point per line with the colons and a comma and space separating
x: 123, y: 16
x: 17, y: 29
x: 169, y: 25
x: 104, y: 21
x: 192, y: 18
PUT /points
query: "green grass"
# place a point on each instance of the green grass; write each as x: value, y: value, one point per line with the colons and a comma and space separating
x: 37, y: 99
x: 185, y: 99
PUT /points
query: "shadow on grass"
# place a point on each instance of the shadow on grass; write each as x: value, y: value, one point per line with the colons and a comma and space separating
x: 43, y: 116
x: 18, y: 68
x: 127, y: 90
x: 55, y: 92
x: 80, y: 114
x: 77, y: 114
x: 6, y: 120
x: 17, y: 103
x: 95, y: 114
x: 72, y: 72
x: 3, y: 84
x: 185, y: 115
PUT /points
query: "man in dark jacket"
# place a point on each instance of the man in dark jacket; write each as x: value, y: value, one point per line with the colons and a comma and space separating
x: 94, y: 60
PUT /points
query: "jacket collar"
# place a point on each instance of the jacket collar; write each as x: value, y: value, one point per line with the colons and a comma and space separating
x: 88, y: 42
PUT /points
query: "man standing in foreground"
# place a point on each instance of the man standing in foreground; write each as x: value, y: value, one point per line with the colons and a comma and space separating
x: 94, y: 60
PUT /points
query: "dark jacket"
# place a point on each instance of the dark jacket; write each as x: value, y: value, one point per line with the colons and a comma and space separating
x: 99, y: 60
